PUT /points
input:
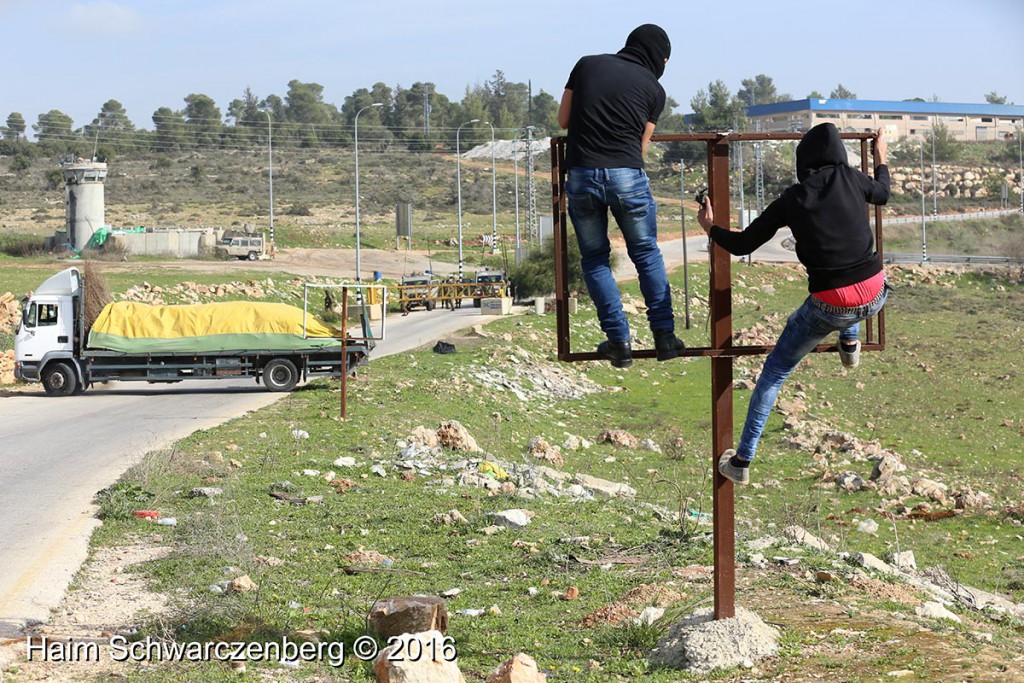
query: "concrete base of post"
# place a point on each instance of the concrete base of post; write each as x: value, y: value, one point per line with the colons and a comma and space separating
x: 700, y: 643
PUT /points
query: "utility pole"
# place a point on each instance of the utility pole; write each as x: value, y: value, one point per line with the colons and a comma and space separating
x: 531, y: 188
x: 426, y: 113
x: 924, y: 228
x: 935, y: 186
x: 758, y: 172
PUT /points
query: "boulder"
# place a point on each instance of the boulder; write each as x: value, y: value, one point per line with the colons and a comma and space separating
x: 453, y: 435
x: 424, y: 662
x: 408, y: 614
x: 520, y: 669
x: 513, y: 519
x: 620, y: 438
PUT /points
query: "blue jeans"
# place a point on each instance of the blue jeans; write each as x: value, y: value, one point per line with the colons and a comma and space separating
x: 591, y: 193
x: 805, y: 329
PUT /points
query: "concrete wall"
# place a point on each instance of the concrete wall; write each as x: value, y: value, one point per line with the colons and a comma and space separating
x: 176, y: 243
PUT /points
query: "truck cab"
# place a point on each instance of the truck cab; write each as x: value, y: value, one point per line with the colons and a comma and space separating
x: 46, y: 339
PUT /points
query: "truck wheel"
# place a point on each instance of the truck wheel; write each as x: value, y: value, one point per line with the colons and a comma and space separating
x: 430, y: 305
x: 476, y: 303
x: 280, y: 374
x: 59, y: 380
x: 253, y: 256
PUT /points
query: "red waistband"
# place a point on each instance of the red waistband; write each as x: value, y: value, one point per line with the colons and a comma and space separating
x: 856, y: 294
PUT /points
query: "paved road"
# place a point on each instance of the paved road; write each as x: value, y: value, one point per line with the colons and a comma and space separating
x: 55, y: 453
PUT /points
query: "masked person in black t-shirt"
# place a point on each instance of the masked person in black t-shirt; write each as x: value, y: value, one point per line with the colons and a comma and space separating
x: 610, y: 107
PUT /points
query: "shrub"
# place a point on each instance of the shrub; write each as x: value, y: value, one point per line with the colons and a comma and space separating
x: 535, y: 276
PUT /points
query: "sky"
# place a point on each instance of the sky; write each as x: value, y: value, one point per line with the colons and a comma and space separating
x: 74, y: 56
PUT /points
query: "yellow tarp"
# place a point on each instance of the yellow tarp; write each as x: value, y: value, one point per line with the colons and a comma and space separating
x: 130, y: 326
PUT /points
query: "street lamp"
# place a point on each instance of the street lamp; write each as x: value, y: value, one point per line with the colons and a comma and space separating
x: 924, y: 228
x: 458, y: 184
x: 369, y: 106
x: 270, y: 155
x: 515, y: 164
x: 494, y: 195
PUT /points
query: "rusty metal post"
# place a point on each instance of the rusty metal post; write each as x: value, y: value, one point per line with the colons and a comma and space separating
x: 721, y: 387
x: 559, y: 218
x: 344, y: 349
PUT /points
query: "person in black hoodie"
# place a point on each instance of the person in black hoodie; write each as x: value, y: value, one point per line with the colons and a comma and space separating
x: 826, y: 212
x: 610, y: 107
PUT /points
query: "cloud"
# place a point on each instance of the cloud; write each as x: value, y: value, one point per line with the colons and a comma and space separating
x: 103, y: 18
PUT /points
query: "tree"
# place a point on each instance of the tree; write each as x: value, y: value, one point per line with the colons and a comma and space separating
x: 815, y: 95
x: 716, y: 108
x: 995, y: 98
x: 111, y: 127
x: 757, y: 90
x: 946, y: 146
x: 246, y: 110
x: 543, y: 113
x: 841, y: 93
x: 54, y: 125
x: 169, y: 130
x: 203, y: 118
x: 15, y: 126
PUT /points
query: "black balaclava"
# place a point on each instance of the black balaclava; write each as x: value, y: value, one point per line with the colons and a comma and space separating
x: 648, y: 46
x: 820, y: 146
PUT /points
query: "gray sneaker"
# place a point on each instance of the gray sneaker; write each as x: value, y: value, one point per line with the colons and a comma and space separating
x: 737, y: 475
x: 849, y: 354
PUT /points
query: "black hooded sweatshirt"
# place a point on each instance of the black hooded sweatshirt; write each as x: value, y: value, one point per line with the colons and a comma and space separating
x: 826, y: 212
x: 613, y: 98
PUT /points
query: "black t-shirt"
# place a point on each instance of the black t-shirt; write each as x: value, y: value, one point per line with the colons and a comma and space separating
x: 612, y: 101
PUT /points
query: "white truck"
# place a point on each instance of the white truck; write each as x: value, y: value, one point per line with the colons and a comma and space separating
x: 271, y: 342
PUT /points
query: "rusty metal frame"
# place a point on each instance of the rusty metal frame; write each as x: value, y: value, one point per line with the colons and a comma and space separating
x: 872, y: 341
x: 722, y: 351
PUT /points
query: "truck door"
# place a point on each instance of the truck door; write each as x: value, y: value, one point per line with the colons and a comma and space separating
x: 47, y: 325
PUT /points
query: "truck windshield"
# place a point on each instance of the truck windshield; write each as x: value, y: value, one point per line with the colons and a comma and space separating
x: 28, y: 316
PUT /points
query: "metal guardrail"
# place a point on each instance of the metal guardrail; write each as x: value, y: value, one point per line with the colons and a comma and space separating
x: 964, y: 259
x: 950, y: 217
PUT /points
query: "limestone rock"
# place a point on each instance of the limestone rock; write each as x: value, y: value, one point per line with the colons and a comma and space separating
x: 427, y: 437
x: 849, y: 481
x: 242, y: 584
x: 869, y: 561
x: 804, y: 537
x: 603, y: 487
x: 513, y: 519
x: 936, y: 610
x: 395, y: 664
x: 453, y: 435
x: 700, y: 643
x: 544, y: 451
x: 904, y: 561
x: 408, y: 614
x: 620, y: 438
x: 451, y: 518
x: 519, y: 669
x: 926, y: 488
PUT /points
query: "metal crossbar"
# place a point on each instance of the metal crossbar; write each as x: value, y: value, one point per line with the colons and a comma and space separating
x: 722, y: 350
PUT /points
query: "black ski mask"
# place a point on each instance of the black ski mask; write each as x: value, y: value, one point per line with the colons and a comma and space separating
x: 648, y: 45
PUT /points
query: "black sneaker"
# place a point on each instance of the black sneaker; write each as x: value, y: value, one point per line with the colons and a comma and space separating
x: 667, y: 344
x: 620, y: 353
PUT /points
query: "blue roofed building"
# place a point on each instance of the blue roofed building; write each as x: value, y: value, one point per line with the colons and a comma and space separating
x: 911, y: 119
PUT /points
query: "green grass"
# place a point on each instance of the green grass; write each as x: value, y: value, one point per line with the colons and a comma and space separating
x: 947, y: 394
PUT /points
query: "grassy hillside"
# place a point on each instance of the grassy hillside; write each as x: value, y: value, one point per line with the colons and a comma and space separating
x: 947, y: 398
